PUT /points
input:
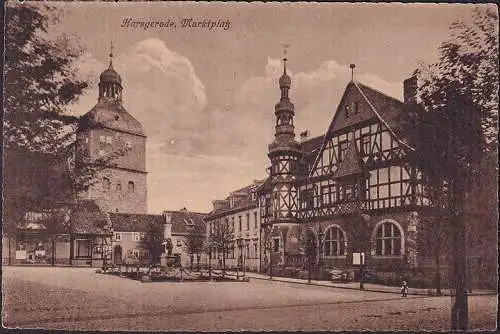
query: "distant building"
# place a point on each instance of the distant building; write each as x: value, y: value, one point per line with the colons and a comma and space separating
x: 129, y: 231
x: 240, y: 210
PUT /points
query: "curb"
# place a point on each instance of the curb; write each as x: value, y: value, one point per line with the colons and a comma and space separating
x: 369, y: 290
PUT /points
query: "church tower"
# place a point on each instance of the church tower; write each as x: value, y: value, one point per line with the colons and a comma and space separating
x: 284, y: 153
x: 112, y: 138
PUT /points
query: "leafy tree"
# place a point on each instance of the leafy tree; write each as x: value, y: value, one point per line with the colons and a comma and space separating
x: 194, y: 242
x: 40, y: 83
x: 456, y: 123
x: 152, y: 241
x: 40, y: 172
x: 221, y: 239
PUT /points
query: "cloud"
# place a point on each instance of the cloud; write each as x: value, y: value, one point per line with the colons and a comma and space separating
x: 195, y: 153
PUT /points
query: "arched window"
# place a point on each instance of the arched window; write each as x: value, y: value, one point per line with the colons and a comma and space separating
x: 388, y: 239
x: 334, y: 242
x: 118, y: 187
x: 105, y: 183
x: 130, y: 187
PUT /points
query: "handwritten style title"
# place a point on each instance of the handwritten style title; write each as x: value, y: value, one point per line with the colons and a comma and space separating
x: 169, y: 23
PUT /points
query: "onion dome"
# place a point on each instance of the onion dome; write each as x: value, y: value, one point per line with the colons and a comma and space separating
x: 110, y: 76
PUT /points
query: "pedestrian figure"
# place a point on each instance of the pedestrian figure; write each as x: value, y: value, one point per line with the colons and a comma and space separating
x: 404, y: 289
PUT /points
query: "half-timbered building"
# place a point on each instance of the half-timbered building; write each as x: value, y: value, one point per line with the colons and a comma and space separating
x: 351, y: 190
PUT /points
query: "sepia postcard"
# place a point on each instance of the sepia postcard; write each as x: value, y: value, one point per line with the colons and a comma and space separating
x: 250, y: 166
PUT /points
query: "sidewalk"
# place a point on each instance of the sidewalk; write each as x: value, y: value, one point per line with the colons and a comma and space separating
x: 355, y: 286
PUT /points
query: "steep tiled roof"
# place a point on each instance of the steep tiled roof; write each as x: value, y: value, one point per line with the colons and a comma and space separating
x: 134, y: 222
x: 184, y: 221
x: 311, y: 145
x: 87, y: 218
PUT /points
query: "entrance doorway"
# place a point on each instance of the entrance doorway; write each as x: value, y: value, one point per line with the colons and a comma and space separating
x: 117, y: 254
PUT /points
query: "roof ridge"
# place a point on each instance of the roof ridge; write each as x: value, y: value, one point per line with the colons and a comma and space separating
x: 379, y: 116
x: 377, y: 91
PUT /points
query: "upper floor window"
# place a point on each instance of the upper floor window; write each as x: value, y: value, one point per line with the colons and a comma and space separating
x: 239, y: 223
x: 130, y: 187
x: 118, y: 236
x: 334, y: 242
x: 118, y: 187
x: 136, y: 236
x: 276, y: 245
x: 255, y: 220
x: 365, y: 144
x: 342, y: 149
x: 248, y: 222
x: 106, y: 184
x: 388, y: 239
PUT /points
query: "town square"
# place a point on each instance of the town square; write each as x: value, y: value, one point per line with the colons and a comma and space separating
x: 201, y: 167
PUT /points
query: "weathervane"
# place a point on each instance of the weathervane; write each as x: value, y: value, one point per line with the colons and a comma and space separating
x: 352, y: 66
x: 111, y: 53
x: 285, y: 47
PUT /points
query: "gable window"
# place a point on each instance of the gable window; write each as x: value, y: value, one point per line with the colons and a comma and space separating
x: 334, y: 242
x: 130, y: 187
x: 388, y: 239
x: 105, y: 183
x: 346, y: 111
x: 356, y: 107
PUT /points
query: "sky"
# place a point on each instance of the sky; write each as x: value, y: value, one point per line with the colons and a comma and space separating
x: 206, y: 97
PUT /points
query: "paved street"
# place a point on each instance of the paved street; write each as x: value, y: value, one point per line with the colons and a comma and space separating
x: 77, y: 298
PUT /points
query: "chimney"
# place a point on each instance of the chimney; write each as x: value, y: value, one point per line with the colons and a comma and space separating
x: 410, y: 90
x: 304, y: 135
x: 167, y: 228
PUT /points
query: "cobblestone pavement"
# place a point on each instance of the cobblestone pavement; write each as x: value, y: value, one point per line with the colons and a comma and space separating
x: 78, y: 298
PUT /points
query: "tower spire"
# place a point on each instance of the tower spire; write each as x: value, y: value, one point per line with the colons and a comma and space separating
x: 111, y: 54
x: 285, y: 47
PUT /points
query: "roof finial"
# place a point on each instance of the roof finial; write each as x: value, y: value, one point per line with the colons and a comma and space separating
x: 286, y: 46
x: 111, y: 54
x: 352, y: 66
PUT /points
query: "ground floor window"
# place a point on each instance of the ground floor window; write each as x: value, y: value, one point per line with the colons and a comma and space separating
x: 334, y: 242
x: 388, y: 239
x: 82, y: 247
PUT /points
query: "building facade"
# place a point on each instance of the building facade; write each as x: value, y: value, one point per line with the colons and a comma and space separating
x: 351, y: 191
x: 240, y: 212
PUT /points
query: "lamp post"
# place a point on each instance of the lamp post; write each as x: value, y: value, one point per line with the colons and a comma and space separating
x: 321, y: 236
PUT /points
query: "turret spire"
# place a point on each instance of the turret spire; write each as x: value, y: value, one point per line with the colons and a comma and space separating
x: 286, y: 46
x: 111, y: 54
x: 352, y: 66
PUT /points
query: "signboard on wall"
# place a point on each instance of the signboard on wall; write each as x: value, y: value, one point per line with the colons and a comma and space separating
x: 20, y: 255
x: 358, y: 259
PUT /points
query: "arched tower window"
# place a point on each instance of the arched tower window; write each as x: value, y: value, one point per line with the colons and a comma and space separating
x: 131, y: 187
x: 388, y: 239
x: 118, y: 187
x: 105, y: 183
x: 335, y: 241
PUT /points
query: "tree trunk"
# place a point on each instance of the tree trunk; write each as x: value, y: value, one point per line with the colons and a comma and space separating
x: 438, y: 273
x: 53, y: 251
x: 10, y: 250
x: 460, y: 306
